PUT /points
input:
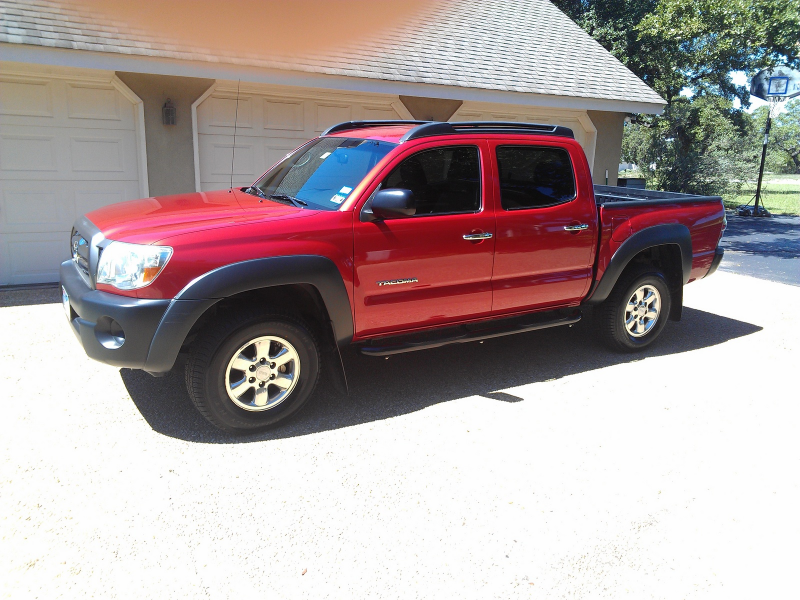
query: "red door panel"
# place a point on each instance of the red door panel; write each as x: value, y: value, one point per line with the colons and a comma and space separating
x: 420, y: 271
x: 542, y: 258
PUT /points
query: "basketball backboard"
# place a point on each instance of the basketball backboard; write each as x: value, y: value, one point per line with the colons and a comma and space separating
x: 778, y: 82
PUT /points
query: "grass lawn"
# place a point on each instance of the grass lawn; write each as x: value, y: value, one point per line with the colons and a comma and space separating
x: 780, y: 194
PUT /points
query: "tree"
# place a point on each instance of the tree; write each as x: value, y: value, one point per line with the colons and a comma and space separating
x: 698, y: 146
x: 686, y: 50
x: 695, y: 44
x: 704, y: 40
x: 785, y: 139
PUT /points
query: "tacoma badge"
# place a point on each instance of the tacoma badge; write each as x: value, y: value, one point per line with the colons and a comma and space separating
x: 398, y: 281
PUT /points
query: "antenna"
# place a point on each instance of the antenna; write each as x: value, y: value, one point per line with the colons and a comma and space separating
x: 235, y: 124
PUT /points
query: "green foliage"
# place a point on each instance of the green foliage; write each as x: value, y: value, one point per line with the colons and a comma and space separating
x: 784, y: 143
x: 675, y: 44
x: 701, y: 144
x: 702, y: 41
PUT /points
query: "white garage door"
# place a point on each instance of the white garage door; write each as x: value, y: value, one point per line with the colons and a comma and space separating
x: 68, y: 145
x: 272, y: 121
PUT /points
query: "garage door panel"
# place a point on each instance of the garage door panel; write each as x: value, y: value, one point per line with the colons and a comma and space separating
x: 94, y: 102
x: 378, y: 113
x: 40, y: 207
x: 280, y: 122
x: 19, y: 152
x: 110, y: 156
x: 215, y: 161
x: 224, y: 158
x: 220, y: 112
x: 67, y: 147
x: 58, y: 153
x: 24, y: 98
x: 97, y: 154
x: 34, y: 258
x: 57, y: 103
x: 28, y: 211
x: 216, y: 153
x: 331, y: 114
x: 284, y: 115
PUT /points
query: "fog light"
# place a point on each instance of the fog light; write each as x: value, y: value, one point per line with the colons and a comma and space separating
x: 109, y: 333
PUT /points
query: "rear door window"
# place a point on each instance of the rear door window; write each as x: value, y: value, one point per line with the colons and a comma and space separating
x: 444, y: 180
x: 534, y: 176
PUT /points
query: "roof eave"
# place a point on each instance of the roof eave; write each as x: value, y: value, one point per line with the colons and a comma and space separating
x: 112, y: 61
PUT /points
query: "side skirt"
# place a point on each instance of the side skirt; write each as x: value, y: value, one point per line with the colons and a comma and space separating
x: 467, y: 333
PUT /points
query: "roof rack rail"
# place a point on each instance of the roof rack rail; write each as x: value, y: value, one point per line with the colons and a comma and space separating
x: 362, y: 124
x: 442, y: 128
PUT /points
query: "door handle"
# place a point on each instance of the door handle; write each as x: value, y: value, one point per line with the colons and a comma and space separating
x: 477, y: 236
x: 580, y: 227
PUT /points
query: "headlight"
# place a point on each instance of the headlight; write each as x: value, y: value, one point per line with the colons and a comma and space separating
x: 131, y: 266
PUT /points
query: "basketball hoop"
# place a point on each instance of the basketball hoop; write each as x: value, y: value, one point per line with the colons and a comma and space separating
x: 775, y: 86
x: 775, y: 105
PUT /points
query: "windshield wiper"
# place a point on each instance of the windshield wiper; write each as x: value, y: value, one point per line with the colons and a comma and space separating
x: 255, y: 191
x: 295, y: 201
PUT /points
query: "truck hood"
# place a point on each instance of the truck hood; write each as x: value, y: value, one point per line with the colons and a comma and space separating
x: 148, y: 220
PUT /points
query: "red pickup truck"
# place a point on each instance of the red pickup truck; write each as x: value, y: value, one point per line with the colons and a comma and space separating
x: 391, y: 235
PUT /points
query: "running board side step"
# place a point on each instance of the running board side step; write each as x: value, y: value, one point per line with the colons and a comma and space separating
x: 463, y: 335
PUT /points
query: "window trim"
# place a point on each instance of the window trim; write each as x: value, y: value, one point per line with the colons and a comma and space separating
x: 481, y: 204
x: 500, y: 184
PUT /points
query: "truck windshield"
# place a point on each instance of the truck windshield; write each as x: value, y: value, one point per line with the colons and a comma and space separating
x: 323, y: 173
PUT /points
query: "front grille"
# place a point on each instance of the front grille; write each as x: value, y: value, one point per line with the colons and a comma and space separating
x: 80, y: 253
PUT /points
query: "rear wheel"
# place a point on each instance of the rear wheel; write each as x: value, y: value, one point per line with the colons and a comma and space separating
x: 636, y: 312
x: 249, y: 371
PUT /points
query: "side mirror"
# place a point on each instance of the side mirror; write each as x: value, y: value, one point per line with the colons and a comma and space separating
x: 394, y: 204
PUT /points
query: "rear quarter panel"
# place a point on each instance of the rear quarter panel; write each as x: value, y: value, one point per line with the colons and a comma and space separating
x: 703, y: 218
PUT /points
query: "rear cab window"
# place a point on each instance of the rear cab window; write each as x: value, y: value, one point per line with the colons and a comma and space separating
x: 534, y: 176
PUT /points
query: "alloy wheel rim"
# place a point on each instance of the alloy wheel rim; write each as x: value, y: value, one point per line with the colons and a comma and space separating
x: 642, y: 311
x: 262, y: 373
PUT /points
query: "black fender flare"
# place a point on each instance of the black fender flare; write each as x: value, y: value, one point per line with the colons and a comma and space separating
x: 208, y: 289
x: 657, y: 235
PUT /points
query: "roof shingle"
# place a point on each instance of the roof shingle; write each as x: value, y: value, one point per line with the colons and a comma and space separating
x: 524, y: 46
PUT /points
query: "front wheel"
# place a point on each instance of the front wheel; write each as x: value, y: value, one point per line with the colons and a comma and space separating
x: 636, y: 312
x: 249, y: 372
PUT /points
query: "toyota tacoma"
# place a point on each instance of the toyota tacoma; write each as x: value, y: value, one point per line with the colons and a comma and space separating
x: 393, y: 236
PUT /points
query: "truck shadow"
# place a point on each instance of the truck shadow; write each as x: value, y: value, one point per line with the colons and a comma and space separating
x: 381, y: 389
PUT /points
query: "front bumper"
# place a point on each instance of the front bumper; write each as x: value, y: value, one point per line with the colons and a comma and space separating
x: 112, y: 329
x: 718, y: 253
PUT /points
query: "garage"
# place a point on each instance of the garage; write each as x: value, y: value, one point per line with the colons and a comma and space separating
x: 271, y: 122
x: 71, y: 141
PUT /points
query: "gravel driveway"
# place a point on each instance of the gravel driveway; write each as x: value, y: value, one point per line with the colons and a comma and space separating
x: 533, y: 466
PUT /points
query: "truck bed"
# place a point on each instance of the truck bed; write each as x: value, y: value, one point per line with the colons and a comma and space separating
x: 623, y: 212
x: 621, y: 197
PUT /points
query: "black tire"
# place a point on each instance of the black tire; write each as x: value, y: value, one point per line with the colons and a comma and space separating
x: 611, y: 314
x: 208, y: 368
